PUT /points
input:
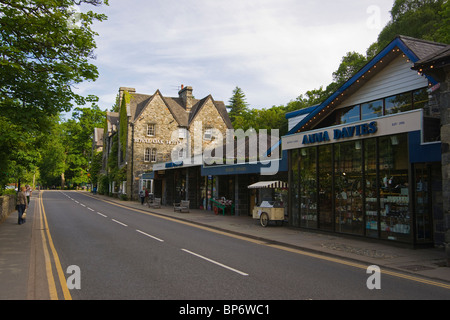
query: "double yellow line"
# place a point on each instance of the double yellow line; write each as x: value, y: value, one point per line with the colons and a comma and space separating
x: 49, y: 247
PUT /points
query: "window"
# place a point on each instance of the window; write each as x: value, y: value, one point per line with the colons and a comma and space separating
x: 348, y: 185
x: 347, y: 115
x: 372, y: 109
x: 398, y: 103
x: 208, y: 134
x: 153, y: 155
x: 182, y: 133
x: 151, y: 129
x: 147, y: 155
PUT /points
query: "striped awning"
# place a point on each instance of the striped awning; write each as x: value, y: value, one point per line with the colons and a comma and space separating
x: 269, y: 184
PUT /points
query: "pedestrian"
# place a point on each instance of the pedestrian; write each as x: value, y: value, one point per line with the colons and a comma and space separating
x: 28, y: 193
x: 146, y: 195
x: 21, y: 204
x: 142, y: 195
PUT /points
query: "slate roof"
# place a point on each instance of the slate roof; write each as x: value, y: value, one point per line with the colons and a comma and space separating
x: 436, y: 59
x: 176, y: 106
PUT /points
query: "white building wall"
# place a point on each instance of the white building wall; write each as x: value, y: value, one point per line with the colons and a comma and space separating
x: 395, y: 78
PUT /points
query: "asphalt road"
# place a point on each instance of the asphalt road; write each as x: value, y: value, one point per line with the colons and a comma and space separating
x: 119, y: 253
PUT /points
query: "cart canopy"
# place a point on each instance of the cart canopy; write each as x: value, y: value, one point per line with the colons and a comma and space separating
x: 269, y: 184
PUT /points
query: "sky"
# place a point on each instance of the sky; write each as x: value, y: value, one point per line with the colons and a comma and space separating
x: 274, y: 50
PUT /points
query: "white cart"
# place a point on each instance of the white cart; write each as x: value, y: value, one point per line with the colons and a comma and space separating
x: 270, y: 210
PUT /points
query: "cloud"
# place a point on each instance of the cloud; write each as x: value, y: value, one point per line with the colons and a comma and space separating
x: 273, y: 50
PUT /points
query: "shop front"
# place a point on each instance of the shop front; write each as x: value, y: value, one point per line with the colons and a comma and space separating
x: 369, y: 178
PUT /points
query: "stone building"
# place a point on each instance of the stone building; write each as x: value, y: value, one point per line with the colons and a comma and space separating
x: 161, y: 140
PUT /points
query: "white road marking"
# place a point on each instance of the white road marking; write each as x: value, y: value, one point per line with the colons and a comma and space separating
x: 99, y: 213
x: 120, y: 223
x: 150, y: 236
x: 215, y: 262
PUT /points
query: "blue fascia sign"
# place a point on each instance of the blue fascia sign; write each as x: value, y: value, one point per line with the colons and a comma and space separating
x: 342, y: 133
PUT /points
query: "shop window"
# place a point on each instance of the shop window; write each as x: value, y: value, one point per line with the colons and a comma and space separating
x: 294, y: 188
x: 371, y: 186
x: 372, y: 109
x: 348, y: 187
x: 398, y: 103
x: 308, y: 188
x: 151, y: 129
x: 325, y: 188
x: 395, y: 220
x: 350, y: 114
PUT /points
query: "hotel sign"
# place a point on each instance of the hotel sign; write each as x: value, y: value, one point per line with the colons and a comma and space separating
x: 157, y: 141
x: 387, y: 125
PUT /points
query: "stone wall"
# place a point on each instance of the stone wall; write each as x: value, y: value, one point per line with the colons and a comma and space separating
x: 444, y: 98
x: 7, y: 206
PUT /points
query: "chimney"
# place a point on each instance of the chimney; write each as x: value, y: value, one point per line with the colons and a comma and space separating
x: 122, y: 90
x: 186, y: 95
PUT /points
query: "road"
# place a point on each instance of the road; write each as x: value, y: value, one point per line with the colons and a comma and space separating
x: 107, y: 251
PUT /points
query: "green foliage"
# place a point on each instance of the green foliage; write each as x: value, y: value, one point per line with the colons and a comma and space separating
x: 422, y: 19
x: 42, y: 57
x: 238, y: 106
x: 123, y: 124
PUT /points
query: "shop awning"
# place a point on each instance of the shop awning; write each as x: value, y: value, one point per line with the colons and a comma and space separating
x: 268, y: 184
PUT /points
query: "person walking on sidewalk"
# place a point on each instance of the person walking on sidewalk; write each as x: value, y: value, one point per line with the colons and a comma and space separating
x: 142, y: 195
x: 21, y: 204
x: 28, y: 193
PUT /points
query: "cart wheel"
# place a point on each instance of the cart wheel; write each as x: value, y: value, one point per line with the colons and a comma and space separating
x: 264, y: 219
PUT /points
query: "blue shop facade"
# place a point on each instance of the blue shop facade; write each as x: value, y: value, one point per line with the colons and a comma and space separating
x: 367, y: 161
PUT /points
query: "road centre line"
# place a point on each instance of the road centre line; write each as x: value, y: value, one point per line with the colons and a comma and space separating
x: 101, y: 214
x: 90, y: 209
x: 150, y: 236
x: 119, y: 222
x: 215, y: 262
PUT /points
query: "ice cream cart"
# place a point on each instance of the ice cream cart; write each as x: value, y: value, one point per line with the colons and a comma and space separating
x: 271, y: 207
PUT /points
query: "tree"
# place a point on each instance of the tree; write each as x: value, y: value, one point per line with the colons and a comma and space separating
x: 351, y: 63
x: 42, y: 57
x: 238, y: 106
x: 77, y: 139
x: 422, y: 19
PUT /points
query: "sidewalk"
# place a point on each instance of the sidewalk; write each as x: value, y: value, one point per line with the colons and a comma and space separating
x: 429, y: 262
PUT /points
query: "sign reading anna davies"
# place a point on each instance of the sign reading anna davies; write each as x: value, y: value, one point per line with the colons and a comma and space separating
x: 382, y: 126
